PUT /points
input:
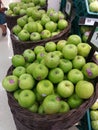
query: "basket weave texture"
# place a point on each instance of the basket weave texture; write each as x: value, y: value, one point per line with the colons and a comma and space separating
x: 19, y: 46
x: 26, y: 120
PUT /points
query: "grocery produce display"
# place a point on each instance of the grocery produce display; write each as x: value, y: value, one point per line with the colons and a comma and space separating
x: 93, y: 115
x: 39, y: 24
x: 85, y: 31
x: 54, y: 78
x: 20, y: 8
x: 51, y: 81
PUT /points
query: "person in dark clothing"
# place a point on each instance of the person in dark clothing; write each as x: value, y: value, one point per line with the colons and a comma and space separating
x: 2, y: 19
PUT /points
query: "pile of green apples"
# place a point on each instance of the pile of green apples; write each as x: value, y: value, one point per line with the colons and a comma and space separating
x: 93, y: 5
x: 39, y: 24
x: 20, y: 8
x: 94, y: 115
x: 53, y: 78
x: 85, y: 32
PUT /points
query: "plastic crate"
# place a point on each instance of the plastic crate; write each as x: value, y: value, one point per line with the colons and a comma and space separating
x: 80, y: 7
x: 85, y: 122
x: 93, y: 14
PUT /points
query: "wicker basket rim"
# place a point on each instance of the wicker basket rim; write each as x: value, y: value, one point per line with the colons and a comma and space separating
x: 44, y: 40
x: 81, y: 109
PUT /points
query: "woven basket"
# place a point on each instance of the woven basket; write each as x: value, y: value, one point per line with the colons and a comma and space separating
x: 26, y: 120
x: 19, y: 46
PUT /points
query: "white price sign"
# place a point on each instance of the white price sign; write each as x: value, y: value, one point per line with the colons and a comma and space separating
x: 94, y: 38
x: 90, y: 21
x: 68, y: 7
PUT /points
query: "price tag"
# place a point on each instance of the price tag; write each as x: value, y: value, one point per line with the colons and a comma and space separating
x: 68, y: 7
x: 90, y: 21
x: 93, y: 37
x: 93, y: 40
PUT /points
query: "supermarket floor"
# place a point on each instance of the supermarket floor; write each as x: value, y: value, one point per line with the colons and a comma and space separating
x: 6, y: 119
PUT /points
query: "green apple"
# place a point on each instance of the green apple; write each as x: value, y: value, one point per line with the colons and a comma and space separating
x: 85, y: 36
x: 36, y: 15
x: 90, y: 70
x: 38, y: 49
x: 51, y: 104
x: 54, y: 33
x: 39, y: 27
x: 54, y: 16
x: 36, y: 2
x: 74, y: 39
x: 83, y: 49
x: 35, y: 36
x: 91, y: 1
x: 50, y: 46
x: 45, y: 87
x: 26, y: 81
x: 40, y: 56
x: 10, y: 83
x: 84, y: 29
x: 16, y: 10
x: 58, y: 53
x: 29, y: 55
x: 61, y: 15
x: 9, y: 12
x: 12, y: 5
x: 74, y: 101
x: 40, y: 72
x: 22, y: 12
x: 16, y: 93
x: 32, y: 27
x: 69, y: 51
x: 52, y: 60
x: 93, y: 6
x: 56, y: 75
x: 45, y: 18
x: 75, y: 75
x: 84, y: 89
x: 31, y: 67
x: 42, y: 2
x: 45, y: 34
x: 78, y: 62
x: 41, y: 109
x: 39, y: 98
x: 26, y: 98
x: 61, y: 44
x: 94, y: 124
x: 50, y: 10
x: 18, y: 60
x: 65, y: 65
x: 16, y: 29
x: 24, y: 35
x: 34, y: 108
x: 94, y: 115
x: 29, y: 11
x: 19, y: 70
x: 64, y: 107
x: 51, y: 26
x: 62, y: 24
x: 21, y: 22
x: 65, y: 88
x: 95, y: 105
x: 30, y: 19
